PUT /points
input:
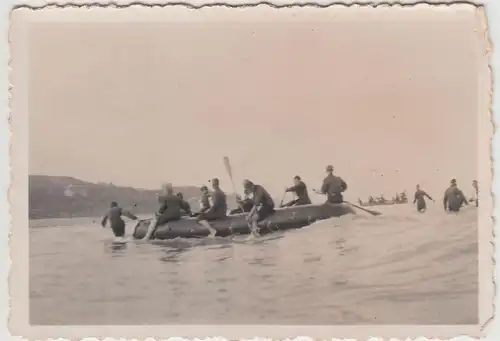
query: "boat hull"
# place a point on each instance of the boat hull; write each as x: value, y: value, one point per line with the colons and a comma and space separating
x: 283, y: 219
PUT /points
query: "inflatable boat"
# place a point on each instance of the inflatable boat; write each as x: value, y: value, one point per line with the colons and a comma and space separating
x: 283, y: 219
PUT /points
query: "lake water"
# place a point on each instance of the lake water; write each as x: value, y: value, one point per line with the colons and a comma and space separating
x: 399, y: 268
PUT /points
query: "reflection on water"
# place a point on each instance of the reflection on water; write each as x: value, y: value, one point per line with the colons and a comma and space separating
x: 398, y: 268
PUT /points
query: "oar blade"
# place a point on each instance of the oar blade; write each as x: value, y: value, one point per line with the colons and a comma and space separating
x: 374, y: 213
x: 227, y: 165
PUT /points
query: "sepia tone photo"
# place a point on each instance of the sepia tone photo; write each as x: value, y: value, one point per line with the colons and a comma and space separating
x: 251, y: 167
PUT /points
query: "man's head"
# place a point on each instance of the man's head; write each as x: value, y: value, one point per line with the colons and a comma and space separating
x: 168, y: 188
x: 114, y: 204
x: 215, y: 183
x: 418, y: 187
x: 329, y: 169
x: 453, y: 182
x: 296, y: 179
x: 180, y: 195
x: 474, y: 183
x: 204, y: 189
x: 248, y: 185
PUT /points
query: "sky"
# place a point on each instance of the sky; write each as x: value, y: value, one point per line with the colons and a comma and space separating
x: 388, y: 98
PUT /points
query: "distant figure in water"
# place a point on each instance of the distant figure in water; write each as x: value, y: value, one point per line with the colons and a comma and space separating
x: 476, y: 190
x: 403, y: 197
x: 300, y: 189
x: 333, y: 186
x: 453, y: 198
x: 114, y: 215
x: 420, y: 199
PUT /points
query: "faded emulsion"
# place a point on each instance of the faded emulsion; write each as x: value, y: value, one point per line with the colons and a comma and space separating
x: 211, y: 167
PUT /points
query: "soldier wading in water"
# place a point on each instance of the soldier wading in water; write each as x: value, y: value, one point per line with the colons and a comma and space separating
x: 420, y: 199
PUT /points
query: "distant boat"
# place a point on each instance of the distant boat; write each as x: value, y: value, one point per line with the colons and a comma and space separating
x: 385, y: 203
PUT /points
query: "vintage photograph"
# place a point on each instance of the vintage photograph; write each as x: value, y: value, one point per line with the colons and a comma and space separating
x: 257, y: 167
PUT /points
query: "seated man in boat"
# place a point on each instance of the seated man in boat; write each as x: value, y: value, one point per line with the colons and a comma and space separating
x: 185, y: 205
x: 204, y: 201
x: 245, y: 204
x: 170, y: 209
x: 217, y: 210
x: 300, y: 189
x: 333, y: 186
x: 114, y: 215
x: 371, y: 201
x: 453, y: 198
x: 263, y: 205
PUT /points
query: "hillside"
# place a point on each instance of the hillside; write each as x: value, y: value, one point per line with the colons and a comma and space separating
x: 63, y: 197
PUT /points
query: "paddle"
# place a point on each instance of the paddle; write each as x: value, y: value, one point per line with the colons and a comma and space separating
x: 282, y: 199
x: 229, y: 171
x: 374, y: 213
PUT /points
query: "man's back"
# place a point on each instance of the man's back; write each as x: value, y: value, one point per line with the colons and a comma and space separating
x: 301, y: 190
x: 219, y: 202
x: 454, y: 197
x: 170, y: 204
x: 114, y: 214
x: 262, y: 196
x: 333, y: 184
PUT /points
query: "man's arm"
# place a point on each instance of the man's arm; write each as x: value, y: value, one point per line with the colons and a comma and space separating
x: 324, y: 187
x: 464, y: 199
x: 428, y: 196
x: 129, y: 215
x: 257, y: 197
x: 163, y: 207
x: 104, y: 220
x: 343, y: 184
x: 186, y: 207
x: 415, y: 198
x: 445, y: 200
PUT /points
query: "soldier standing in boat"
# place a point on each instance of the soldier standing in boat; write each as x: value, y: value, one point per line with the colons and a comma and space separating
x: 218, y: 210
x: 263, y: 205
x: 333, y: 186
x: 419, y: 199
x: 453, y: 198
x: 114, y: 215
x: 300, y: 189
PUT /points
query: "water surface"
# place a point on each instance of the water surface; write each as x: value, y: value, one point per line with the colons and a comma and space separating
x: 399, y: 268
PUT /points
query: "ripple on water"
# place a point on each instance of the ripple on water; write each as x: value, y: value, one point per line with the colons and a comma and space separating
x: 400, y: 268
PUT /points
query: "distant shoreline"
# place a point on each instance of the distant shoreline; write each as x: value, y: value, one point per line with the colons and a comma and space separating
x: 54, y: 197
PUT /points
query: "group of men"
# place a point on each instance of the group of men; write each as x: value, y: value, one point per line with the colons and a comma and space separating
x: 257, y: 202
x: 453, y: 198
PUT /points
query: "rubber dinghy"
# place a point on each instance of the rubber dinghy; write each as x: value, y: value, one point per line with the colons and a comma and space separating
x: 283, y: 219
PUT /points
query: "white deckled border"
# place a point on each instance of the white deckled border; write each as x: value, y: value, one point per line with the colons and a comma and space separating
x: 18, y: 195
